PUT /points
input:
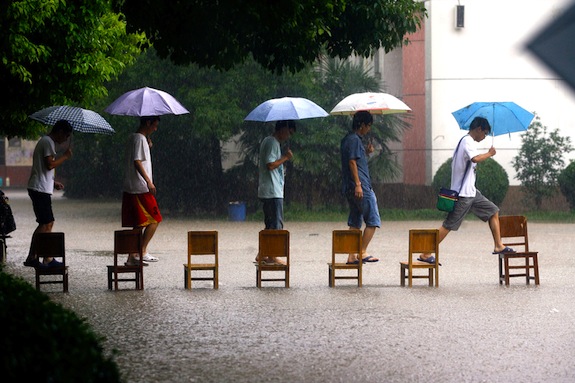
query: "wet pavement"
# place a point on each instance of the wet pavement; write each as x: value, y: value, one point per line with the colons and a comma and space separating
x: 470, y: 329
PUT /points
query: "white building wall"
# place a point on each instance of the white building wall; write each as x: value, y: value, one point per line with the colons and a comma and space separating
x: 487, y: 61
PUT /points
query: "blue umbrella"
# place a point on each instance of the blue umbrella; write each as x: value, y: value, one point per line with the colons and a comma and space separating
x: 286, y: 108
x: 504, y: 117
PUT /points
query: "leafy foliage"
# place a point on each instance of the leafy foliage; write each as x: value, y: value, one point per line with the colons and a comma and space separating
x: 540, y: 160
x: 187, y: 152
x: 492, y: 180
x: 45, y: 342
x: 566, y: 182
x: 279, y: 35
x: 58, y: 52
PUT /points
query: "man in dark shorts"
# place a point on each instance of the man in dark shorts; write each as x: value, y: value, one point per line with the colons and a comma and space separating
x: 41, y: 184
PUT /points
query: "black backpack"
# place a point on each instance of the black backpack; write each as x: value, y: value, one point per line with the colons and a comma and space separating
x: 7, y: 223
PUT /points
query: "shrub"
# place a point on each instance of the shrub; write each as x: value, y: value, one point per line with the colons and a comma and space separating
x: 44, y: 342
x: 566, y: 180
x: 492, y: 179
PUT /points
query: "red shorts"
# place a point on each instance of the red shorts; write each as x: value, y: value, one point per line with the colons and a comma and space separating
x: 139, y: 210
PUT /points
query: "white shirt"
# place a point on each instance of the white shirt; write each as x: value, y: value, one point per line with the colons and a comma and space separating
x: 42, y: 179
x: 137, y: 149
x: 467, y: 150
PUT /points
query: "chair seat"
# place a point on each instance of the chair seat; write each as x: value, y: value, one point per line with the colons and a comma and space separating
x: 52, y: 270
x: 271, y: 267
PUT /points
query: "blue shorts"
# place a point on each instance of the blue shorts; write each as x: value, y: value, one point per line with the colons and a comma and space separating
x: 42, y: 205
x: 363, y: 210
x: 273, y: 213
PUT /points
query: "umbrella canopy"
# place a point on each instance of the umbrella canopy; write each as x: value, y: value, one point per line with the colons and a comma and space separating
x: 286, y: 108
x: 145, y: 102
x: 504, y: 117
x: 375, y: 103
x: 82, y: 120
x: 555, y: 45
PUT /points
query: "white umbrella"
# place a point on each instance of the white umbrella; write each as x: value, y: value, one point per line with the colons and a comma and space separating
x: 82, y: 120
x: 375, y: 103
x: 145, y: 102
x: 286, y: 108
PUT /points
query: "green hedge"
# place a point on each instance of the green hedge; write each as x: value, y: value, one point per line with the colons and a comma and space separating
x: 566, y: 181
x: 492, y: 179
x: 44, y: 342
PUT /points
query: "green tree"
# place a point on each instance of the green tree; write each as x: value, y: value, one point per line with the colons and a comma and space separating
x: 279, y: 35
x: 58, y: 52
x: 540, y: 160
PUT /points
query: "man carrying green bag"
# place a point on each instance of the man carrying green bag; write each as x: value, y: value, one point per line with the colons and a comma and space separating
x: 470, y: 199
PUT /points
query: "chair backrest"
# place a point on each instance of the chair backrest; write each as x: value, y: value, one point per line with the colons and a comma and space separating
x: 346, y: 242
x: 422, y: 241
x: 203, y: 243
x: 50, y: 245
x: 127, y: 242
x: 274, y: 243
x: 513, y: 229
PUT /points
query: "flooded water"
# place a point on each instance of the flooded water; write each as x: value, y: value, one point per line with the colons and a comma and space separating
x: 469, y: 329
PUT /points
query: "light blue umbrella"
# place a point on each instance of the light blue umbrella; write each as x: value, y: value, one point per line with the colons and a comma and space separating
x: 504, y: 117
x: 286, y: 108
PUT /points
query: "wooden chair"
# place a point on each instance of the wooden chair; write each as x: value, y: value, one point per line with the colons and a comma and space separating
x: 273, y: 243
x: 201, y: 243
x: 421, y: 241
x: 51, y: 245
x: 345, y: 242
x: 514, y: 234
x: 126, y: 242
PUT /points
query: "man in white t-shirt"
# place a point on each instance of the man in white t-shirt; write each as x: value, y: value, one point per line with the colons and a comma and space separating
x: 41, y: 184
x: 139, y: 206
x: 471, y: 199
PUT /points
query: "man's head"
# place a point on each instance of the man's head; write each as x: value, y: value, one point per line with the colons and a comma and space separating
x: 149, y: 123
x: 284, y: 129
x: 61, y: 131
x: 479, y: 128
x: 361, y: 119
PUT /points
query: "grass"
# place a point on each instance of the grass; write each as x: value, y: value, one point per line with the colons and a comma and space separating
x: 298, y: 213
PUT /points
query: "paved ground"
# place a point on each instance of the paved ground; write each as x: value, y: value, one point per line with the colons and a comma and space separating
x: 469, y: 329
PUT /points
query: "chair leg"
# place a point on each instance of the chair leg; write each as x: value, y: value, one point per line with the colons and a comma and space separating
x: 500, y: 270
x: 287, y: 277
x: 430, y: 277
x: 216, y: 282
x: 402, y: 275
x: 536, y: 269
x: 65, y: 282
x: 330, y: 277
x: 258, y: 277
x: 506, y: 262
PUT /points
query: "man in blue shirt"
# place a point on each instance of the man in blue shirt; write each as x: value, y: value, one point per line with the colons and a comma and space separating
x: 357, y: 184
x: 272, y: 176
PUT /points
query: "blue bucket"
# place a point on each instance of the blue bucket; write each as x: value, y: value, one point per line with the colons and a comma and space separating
x: 237, y: 211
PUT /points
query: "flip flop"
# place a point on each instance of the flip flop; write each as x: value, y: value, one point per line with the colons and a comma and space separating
x: 430, y: 260
x: 353, y: 263
x: 369, y: 259
x: 506, y: 250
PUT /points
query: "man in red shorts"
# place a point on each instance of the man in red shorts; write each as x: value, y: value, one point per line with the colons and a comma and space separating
x: 139, y: 206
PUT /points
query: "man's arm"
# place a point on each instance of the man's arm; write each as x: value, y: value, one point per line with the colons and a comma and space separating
x: 358, y: 191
